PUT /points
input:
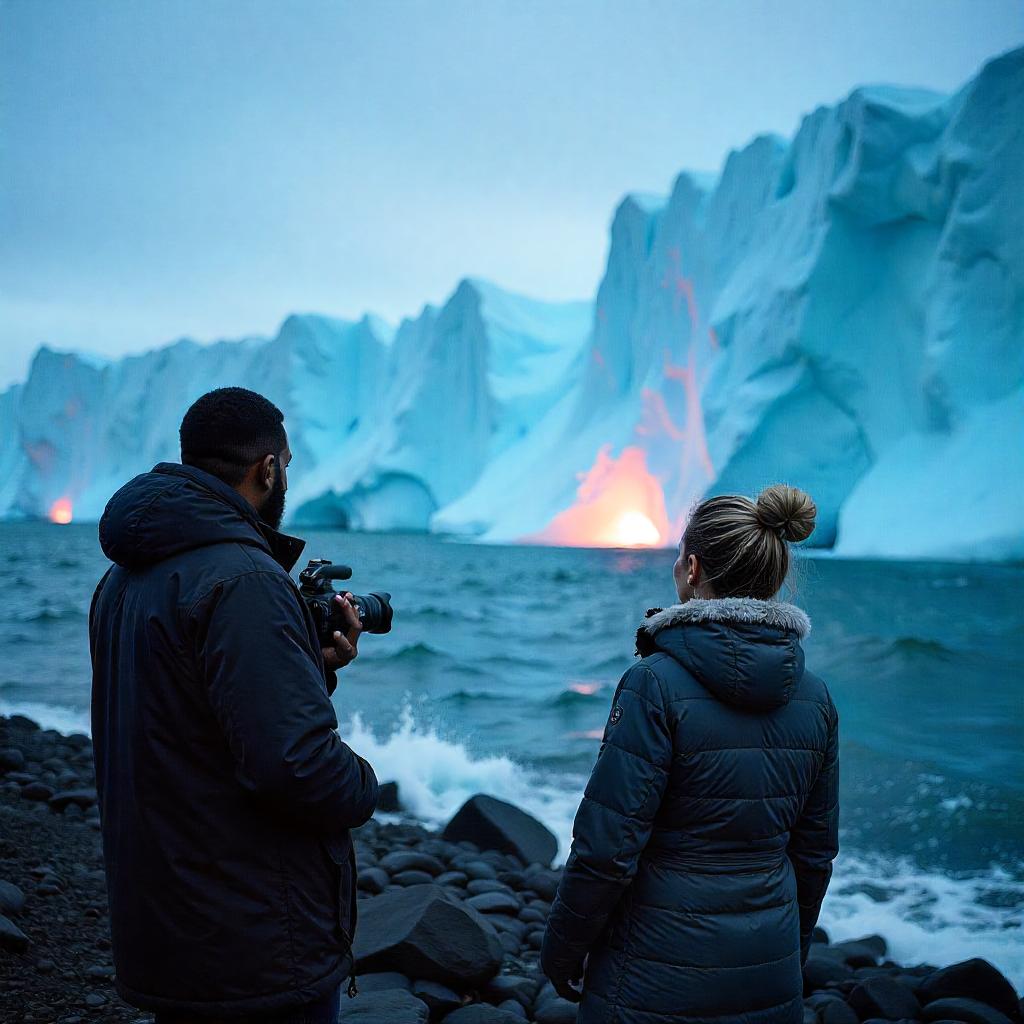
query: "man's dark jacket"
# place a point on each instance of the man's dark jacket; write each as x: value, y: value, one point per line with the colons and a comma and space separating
x: 704, y: 843
x: 225, y: 793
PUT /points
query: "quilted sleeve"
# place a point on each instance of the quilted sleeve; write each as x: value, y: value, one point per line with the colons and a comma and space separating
x: 814, y: 839
x: 616, y: 816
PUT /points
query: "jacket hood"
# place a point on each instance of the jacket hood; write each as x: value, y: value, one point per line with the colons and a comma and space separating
x: 176, y: 508
x: 746, y: 652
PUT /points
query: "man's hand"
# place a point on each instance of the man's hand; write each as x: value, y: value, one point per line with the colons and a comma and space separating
x: 344, y: 650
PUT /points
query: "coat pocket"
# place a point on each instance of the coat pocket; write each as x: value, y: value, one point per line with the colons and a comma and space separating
x: 342, y: 857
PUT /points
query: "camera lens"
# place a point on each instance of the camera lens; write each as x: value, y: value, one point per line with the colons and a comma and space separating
x: 375, y: 611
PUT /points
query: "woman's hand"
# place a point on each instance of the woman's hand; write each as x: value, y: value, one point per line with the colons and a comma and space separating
x: 565, y: 975
x: 344, y: 651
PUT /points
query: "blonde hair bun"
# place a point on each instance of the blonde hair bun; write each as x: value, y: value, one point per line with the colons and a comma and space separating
x: 788, y: 511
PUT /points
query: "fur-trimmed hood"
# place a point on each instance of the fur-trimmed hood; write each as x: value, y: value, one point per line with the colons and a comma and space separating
x: 744, y: 651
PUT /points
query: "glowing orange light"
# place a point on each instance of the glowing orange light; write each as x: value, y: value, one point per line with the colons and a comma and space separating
x: 60, y: 511
x: 587, y: 689
x: 633, y: 529
x: 619, y: 503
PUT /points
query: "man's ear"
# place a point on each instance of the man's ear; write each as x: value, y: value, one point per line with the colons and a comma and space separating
x: 267, y: 467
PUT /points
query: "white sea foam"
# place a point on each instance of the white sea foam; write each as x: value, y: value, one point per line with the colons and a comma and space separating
x: 926, y: 916
x: 436, y: 776
x: 49, y: 716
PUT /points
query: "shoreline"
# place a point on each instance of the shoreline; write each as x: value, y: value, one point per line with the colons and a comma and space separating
x: 55, y: 960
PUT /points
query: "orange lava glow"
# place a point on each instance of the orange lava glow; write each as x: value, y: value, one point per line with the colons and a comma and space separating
x: 619, y: 504
x: 60, y: 511
x: 587, y: 689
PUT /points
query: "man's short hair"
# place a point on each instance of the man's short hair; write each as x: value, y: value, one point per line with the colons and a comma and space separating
x: 229, y: 429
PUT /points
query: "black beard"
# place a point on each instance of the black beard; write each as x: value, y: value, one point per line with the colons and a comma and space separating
x: 272, y: 510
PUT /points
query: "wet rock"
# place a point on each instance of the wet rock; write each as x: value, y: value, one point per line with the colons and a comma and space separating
x: 496, y: 825
x: 36, y: 791
x: 456, y: 879
x: 513, y: 925
x: 481, y: 1013
x: 820, y: 971
x: 382, y: 981
x: 372, y: 880
x: 864, y: 952
x: 387, y: 798
x: 83, y: 798
x: 511, y: 1006
x: 438, y: 848
x: 12, y: 899
x: 884, y: 997
x: 511, y: 986
x: 481, y: 885
x: 542, y: 881
x: 477, y: 869
x: 406, y: 878
x: 970, y: 1011
x: 11, y: 759
x: 411, y: 860
x: 494, y: 903
x: 970, y: 979
x: 531, y: 915
x: 440, y: 999
x: 95, y: 999
x: 11, y: 936
x: 426, y: 933
x: 556, y: 1011
x: 835, y: 1011
x: 389, y: 1007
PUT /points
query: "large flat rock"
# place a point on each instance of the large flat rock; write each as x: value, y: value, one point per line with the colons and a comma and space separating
x: 425, y: 932
x: 392, y: 1006
x: 496, y: 825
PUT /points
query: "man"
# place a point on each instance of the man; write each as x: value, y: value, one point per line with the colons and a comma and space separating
x: 225, y: 792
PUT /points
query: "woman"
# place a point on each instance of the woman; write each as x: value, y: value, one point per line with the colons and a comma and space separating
x: 704, y: 843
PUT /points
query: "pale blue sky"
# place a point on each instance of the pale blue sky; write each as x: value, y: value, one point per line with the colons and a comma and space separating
x: 205, y: 167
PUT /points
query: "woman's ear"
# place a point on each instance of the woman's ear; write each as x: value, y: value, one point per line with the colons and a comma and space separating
x: 693, y: 571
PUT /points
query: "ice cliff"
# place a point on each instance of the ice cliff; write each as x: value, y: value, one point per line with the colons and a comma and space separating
x: 844, y: 311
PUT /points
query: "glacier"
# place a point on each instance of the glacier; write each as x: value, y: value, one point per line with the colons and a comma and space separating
x: 843, y: 311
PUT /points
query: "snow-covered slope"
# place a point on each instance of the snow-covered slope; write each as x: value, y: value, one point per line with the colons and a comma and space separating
x: 844, y: 311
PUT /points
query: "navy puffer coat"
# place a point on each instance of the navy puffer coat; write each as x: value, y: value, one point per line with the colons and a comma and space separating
x: 704, y: 843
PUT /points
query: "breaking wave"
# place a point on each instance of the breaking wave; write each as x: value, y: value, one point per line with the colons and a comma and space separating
x: 436, y: 776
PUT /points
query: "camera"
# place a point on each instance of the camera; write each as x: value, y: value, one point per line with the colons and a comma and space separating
x: 375, y: 610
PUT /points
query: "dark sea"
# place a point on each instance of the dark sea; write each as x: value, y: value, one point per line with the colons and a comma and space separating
x: 500, y: 669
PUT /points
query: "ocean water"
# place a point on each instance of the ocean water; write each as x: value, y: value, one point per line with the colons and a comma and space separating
x: 498, y: 675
